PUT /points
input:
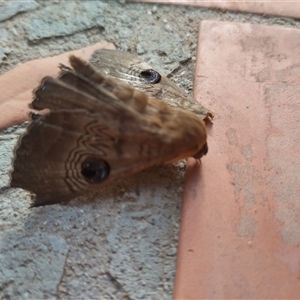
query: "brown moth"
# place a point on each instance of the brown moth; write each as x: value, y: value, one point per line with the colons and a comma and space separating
x: 94, y: 129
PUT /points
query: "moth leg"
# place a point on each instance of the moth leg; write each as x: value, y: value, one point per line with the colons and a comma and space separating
x: 65, y: 68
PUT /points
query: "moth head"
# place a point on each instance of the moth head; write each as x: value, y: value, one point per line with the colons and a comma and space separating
x: 203, y: 151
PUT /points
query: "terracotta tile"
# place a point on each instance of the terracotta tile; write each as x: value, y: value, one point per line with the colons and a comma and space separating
x: 24, y: 78
x: 270, y: 7
x: 240, y: 222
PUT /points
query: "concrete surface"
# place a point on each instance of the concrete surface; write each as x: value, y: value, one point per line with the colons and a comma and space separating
x: 240, y: 222
x: 121, y: 242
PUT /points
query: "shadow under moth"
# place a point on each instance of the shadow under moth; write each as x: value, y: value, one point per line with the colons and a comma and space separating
x: 101, y: 121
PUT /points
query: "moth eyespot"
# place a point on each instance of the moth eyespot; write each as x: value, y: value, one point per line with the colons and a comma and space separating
x: 150, y: 76
x: 95, y: 170
x: 202, y: 152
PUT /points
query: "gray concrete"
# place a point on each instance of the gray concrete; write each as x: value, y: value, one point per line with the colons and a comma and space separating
x: 121, y: 242
x: 9, y: 9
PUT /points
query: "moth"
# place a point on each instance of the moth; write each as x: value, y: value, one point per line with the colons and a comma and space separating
x: 101, y: 121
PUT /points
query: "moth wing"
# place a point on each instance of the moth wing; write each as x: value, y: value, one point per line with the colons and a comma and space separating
x: 97, y: 136
x: 130, y: 69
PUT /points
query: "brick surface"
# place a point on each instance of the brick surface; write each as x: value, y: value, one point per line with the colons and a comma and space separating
x: 240, y: 222
x: 271, y: 7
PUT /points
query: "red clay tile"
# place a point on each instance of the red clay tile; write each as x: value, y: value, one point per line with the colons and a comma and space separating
x: 270, y: 7
x: 16, y: 86
x: 240, y: 233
